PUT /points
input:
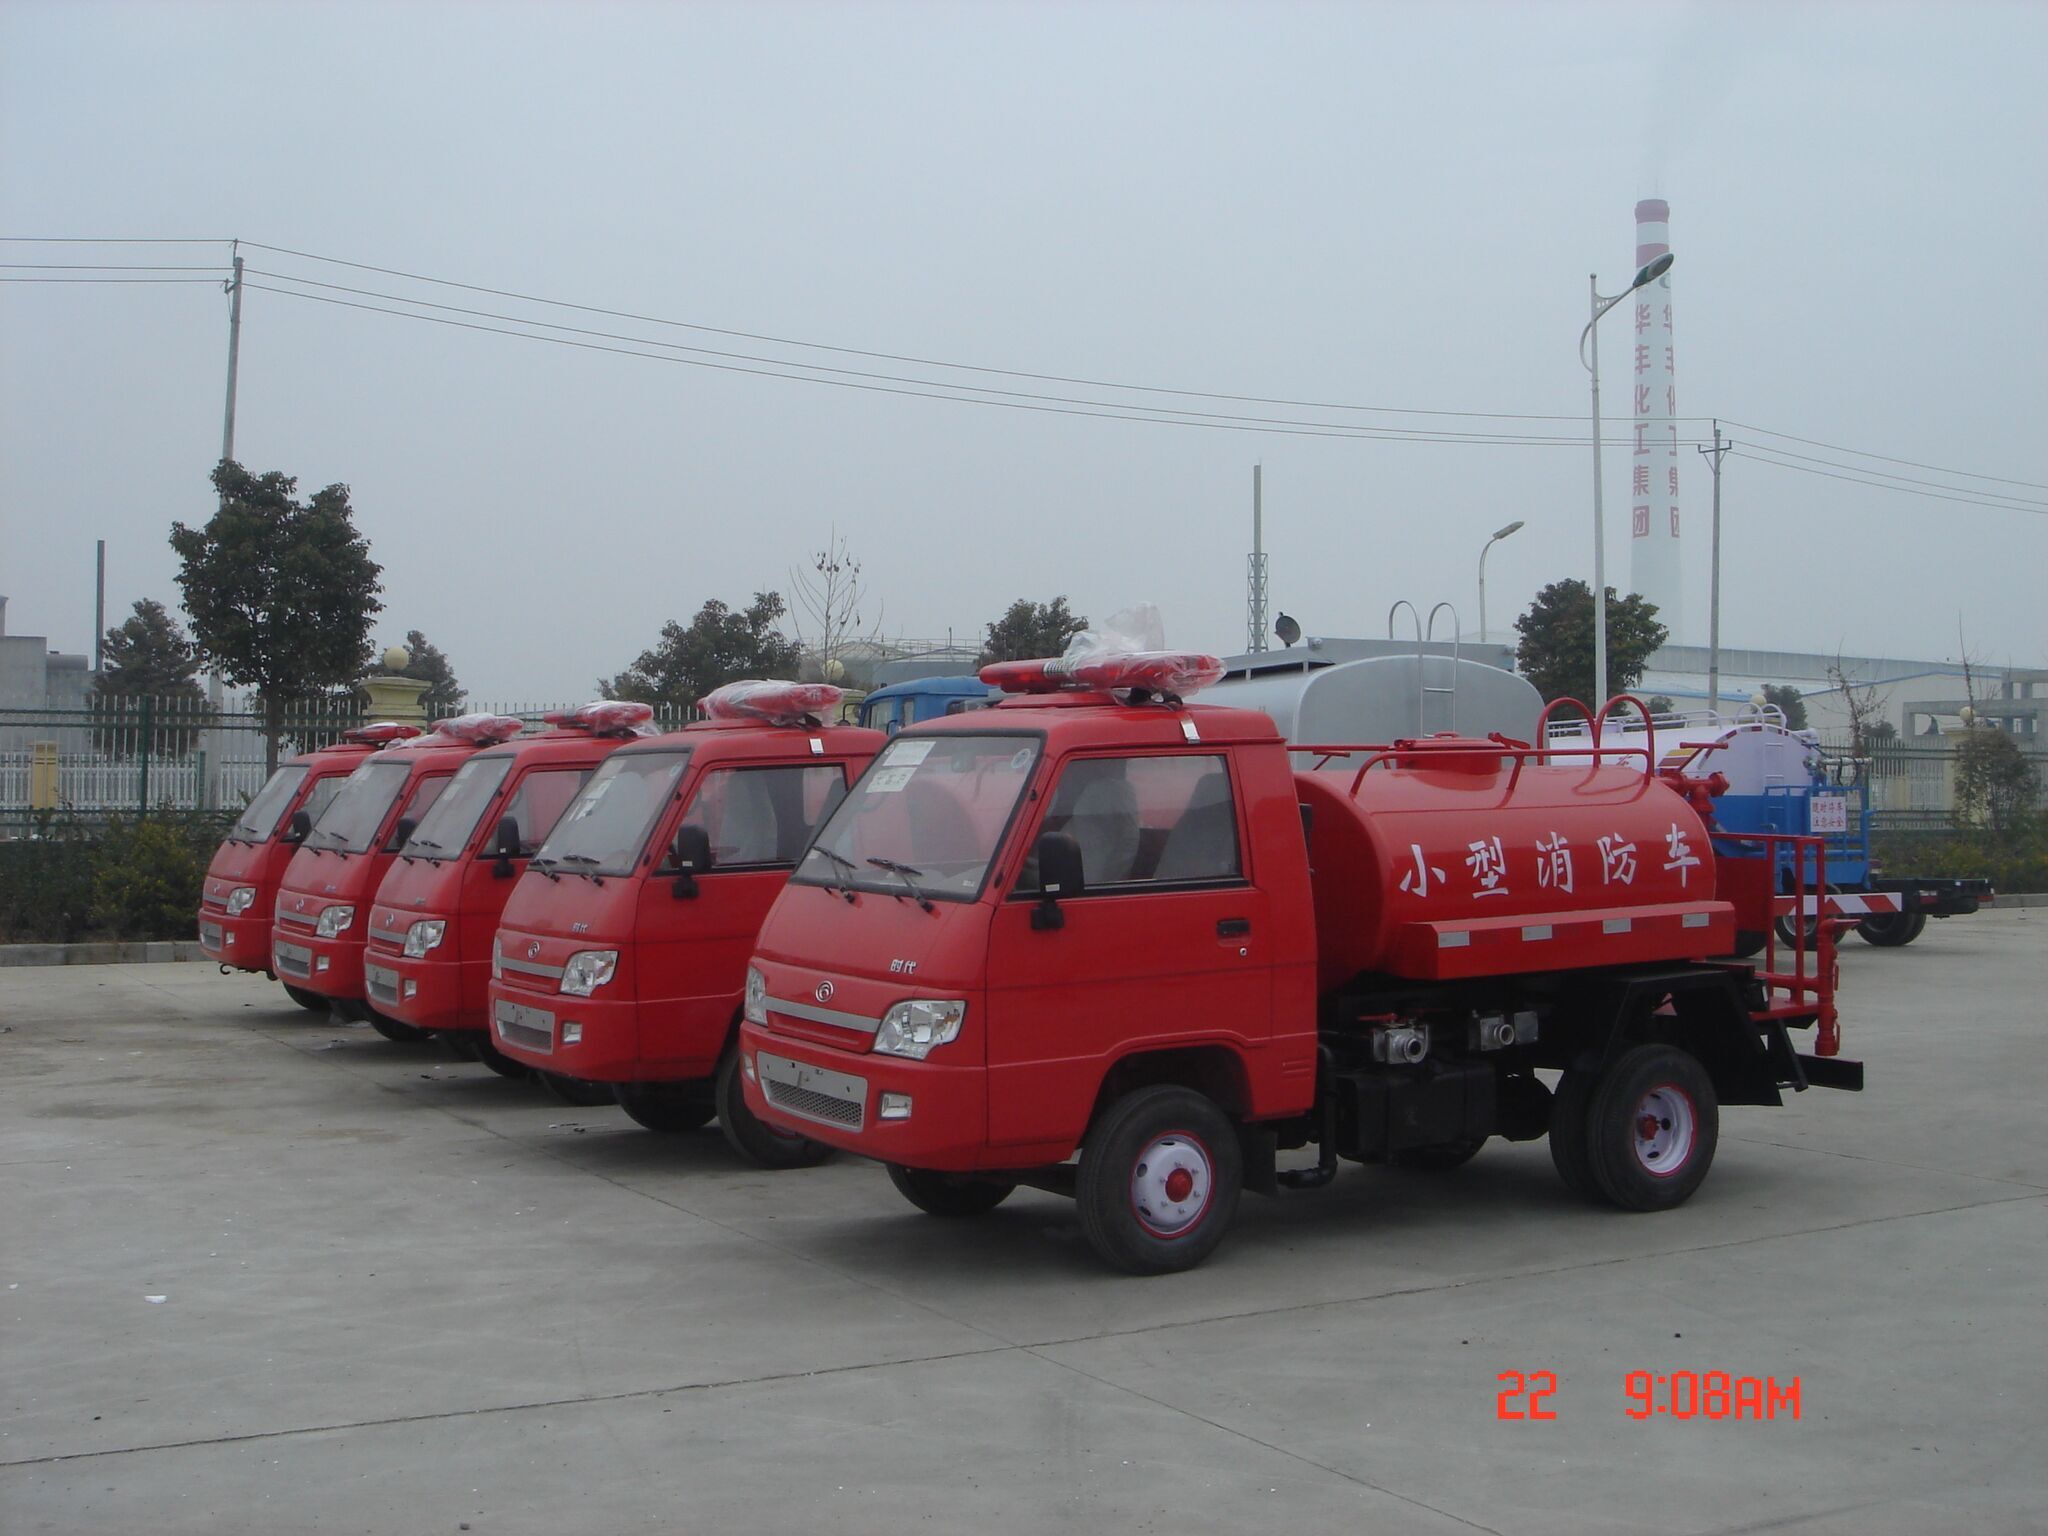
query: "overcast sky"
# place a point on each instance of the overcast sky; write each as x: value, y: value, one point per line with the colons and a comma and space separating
x: 1391, y: 205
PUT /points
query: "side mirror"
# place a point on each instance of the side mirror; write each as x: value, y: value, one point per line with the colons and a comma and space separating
x: 692, y: 857
x: 1059, y: 874
x: 301, y: 824
x: 505, y: 846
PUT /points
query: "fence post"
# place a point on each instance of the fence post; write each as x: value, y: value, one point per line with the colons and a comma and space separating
x: 148, y: 723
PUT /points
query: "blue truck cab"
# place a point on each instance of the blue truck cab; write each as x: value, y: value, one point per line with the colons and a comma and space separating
x: 925, y: 698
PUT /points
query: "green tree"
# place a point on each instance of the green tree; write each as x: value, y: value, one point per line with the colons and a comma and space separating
x: 720, y: 645
x: 430, y: 665
x: 1029, y: 630
x: 149, y: 656
x: 1997, y: 786
x: 1556, y: 649
x: 281, y: 592
x: 1790, y: 700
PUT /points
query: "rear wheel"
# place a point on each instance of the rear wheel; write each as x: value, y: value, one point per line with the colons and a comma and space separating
x: 1654, y: 1125
x: 1439, y: 1159
x: 488, y: 1053
x: 751, y: 1136
x: 575, y: 1090
x: 1750, y: 941
x: 391, y: 1029
x: 1891, y: 930
x: 1569, y: 1151
x: 948, y: 1194
x: 673, y: 1108
x: 1158, y: 1181
x: 312, y: 1002
x: 1789, y: 927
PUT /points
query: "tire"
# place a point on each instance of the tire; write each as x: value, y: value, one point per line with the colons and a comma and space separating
x: 946, y: 1194
x: 1570, y: 1150
x: 312, y: 1002
x: 1158, y: 1181
x: 1438, y: 1159
x: 671, y: 1108
x: 575, y: 1090
x: 1788, y: 927
x: 752, y: 1137
x: 1750, y: 942
x: 1892, y: 930
x: 459, y: 1043
x: 488, y: 1053
x: 391, y: 1029
x: 1654, y: 1124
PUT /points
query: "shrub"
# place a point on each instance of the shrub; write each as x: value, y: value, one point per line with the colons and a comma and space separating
x: 147, y: 880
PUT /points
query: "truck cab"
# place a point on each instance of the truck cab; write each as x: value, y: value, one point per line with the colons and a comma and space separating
x: 1095, y: 920
x: 428, y: 961
x: 890, y: 709
x: 238, y: 901
x: 323, y: 903
x: 622, y: 951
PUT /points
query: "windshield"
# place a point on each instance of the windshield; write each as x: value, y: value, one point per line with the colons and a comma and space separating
x: 264, y: 813
x: 605, y: 830
x: 350, y: 824
x: 932, y: 809
x: 444, y: 831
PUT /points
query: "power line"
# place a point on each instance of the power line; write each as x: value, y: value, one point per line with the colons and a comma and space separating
x: 1885, y: 475
x: 1862, y: 453
x: 210, y: 281
x: 94, y: 266
x: 1972, y: 501
x: 113, y: 240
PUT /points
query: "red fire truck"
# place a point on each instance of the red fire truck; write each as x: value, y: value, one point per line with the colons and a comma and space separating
x: 238, y: 901
x: 1093, y: 918
x: 428, y: 963
x: 621, y: 953
x: 323, y: 901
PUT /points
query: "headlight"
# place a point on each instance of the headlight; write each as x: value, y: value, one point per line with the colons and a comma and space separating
x: 335, y: 920
x: 913, y: 1028
x: 497, y: 960
x: 587, y: 970
x: 754, y: 1007
x: 424, y: 935
x: 241, y: 899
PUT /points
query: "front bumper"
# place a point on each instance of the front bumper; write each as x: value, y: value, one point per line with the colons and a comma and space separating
x: 424, y: 992
x: 242, y: 942
x: 947, y: 1127
x: 593, y: 1038
x: 331, y: 967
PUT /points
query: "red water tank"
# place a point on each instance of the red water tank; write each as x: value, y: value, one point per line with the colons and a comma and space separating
x: 1453, y: 858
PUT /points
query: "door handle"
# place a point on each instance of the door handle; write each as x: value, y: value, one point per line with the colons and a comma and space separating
x: 1233, y: 927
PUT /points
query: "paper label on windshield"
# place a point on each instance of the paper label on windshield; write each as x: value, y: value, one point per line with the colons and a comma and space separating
x: 908, y: 754
x: 594, y: 797
x: 887, y: 781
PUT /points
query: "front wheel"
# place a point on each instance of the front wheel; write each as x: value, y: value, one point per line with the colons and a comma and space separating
x: 947, y: 1194
x: 1570, y: 1142
x: 1892, y: 930
x: 575, y: 1090
x: 312, y: 1002
x: 392, y: 1029
x: 1158, y: 1181
x: 1652, y: 1128
x: 488, y: 1053
x: 672, y: 1108
x: 751, y: 1136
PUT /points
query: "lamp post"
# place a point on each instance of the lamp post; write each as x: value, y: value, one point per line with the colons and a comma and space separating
x: 1514, y: 527
x: 1600, y: 306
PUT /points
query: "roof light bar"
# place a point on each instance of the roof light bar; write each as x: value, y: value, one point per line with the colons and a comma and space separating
x: 481, y: 729
x: 380, y: 733
x: 1170, y: 673
x: 605, y: 717
x: 775, y: 702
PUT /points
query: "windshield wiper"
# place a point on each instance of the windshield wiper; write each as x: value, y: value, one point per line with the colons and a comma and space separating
x: 903, y: 872
x: 545, y: 866
x: 841, y: 868
x: 583, y: 858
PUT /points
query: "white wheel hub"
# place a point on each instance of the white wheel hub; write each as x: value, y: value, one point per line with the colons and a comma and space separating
x: 1662, y: 1131
x: 1171, y: 1183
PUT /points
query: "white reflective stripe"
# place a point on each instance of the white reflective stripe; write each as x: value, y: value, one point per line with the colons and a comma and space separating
x: 529, y: 968
x: 1848, y: 906
x: 1616, y: 924
x: 1453, y: 940
x: 817, y: 1015
x: 1695, y: 919
x: 1535, y: 932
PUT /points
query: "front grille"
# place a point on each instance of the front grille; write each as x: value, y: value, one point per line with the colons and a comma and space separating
x: 533, y: 1028
x: 210, y: 934
x: 812, y: 1105
x: 813, y: 1093
x: 292, y: 959
x: 382, y: 985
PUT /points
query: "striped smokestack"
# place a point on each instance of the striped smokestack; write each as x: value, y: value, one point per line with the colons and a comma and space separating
x: 1656, y: 569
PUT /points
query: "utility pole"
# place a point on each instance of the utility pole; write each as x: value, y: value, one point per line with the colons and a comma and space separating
x: 1255, y: 617
x: 99, y: 613
x: 234, y: 289
x: 1714, y: 588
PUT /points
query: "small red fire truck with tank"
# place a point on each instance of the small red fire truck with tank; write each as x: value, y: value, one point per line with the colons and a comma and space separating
x: 428, y: 961
x: 238, y: 902
x: 621, y: 952
x: 1095, y: 919
x: 323, y: 902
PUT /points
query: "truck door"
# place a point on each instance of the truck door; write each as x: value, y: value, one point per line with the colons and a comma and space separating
x: 691, y: 952
x: 1167, y: 945
x: 536, y: 802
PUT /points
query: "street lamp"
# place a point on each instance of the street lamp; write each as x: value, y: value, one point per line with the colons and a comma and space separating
x: 1600, y: 306
x: 1514, y: 527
